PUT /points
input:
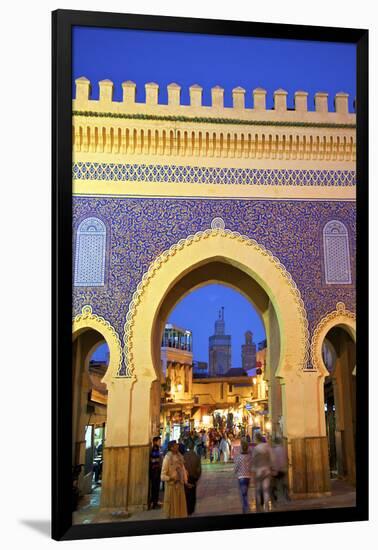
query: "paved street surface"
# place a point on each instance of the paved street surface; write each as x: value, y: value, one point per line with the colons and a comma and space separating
x: 217, y: 494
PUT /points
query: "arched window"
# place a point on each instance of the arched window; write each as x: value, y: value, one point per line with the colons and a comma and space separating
x: 336, y: 254
x: 90, y: 253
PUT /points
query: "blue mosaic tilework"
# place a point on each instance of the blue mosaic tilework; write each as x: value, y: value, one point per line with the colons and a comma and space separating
x: 208, y: 175
x: 142, y: 228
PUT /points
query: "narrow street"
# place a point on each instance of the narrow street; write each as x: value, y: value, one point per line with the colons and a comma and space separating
x: 217, y: 494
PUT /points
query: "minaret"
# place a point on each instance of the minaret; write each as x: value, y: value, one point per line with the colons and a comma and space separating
x: 219, y: 348
x: 220, y: 324
x: 248, y: 352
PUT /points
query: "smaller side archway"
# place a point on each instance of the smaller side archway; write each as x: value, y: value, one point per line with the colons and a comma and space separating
x: 89, y: 320
x: 339, y: 317
x: 90, y: 325
x: 333, y: 352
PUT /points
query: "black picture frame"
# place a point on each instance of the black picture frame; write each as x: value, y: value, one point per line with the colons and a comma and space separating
x: 62, y: 23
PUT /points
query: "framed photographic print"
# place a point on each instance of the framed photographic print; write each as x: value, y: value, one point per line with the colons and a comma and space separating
x: 210, y: 205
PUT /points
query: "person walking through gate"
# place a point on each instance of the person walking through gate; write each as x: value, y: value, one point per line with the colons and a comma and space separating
x: 243, y: 471
x: 174, y: 474
x: 155, y: 472
x: 279, y: 473
x: 262, y: 462
x: 224, y: 447
x: 193, y: 466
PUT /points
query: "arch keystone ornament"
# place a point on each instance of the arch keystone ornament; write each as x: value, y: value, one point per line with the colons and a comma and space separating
x: 340, y: 316
x: 89, y: 320
x: 218, y: 223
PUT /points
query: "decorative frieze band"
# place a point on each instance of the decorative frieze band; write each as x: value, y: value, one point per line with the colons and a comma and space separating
x: 210, y: 175
x: 148, y: 136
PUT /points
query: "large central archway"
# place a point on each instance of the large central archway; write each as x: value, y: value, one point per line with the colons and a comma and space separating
x: 225, y: 256
x: 185, y: 257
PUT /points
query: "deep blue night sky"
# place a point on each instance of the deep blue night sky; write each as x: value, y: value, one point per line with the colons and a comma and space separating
x: 199, y: 310
x: 147, y: 56
x: 162, y: 57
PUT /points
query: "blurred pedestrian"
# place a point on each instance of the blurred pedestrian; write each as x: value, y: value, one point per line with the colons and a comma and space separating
x: 182, y: 446
x: 262, y: 463
x: 193, y: 467
x: 215, y: 451
x: 279, y: 471
x: 155, y: 472
x: 243, y: 471
x: 205, y: 443
x: 224, y: 448
x: 174, y: 474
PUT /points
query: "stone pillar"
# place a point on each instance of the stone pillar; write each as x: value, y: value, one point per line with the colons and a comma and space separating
x: 272, y: 360
x: 297, y: 399
x: 140, y: 443
x: 127, y: 446
x: 116, y: 467
x: 305, y: 433
x: 155, y: 408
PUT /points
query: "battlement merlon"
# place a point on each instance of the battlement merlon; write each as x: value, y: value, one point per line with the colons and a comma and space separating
x: 151, y: 107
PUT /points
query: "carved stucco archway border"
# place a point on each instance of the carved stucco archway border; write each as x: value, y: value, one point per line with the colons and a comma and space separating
x: 128, y: 369
x: 337, y: 317
x: 88, y: 319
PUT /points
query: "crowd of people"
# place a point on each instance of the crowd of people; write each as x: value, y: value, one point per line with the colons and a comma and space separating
x: 176, y: 466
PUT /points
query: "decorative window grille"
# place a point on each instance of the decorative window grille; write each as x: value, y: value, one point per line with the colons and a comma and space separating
x: 90, y: 253
x: 336, y: 253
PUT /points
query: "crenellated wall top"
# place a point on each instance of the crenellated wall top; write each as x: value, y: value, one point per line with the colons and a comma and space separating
x: 174, y: 110
x: 129, y: 147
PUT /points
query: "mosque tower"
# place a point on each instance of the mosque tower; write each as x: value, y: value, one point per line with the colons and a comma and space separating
x: 248, y: 352
x: 219, y: 348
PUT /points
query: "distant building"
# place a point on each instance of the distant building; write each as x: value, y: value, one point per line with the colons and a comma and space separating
x: 261, y: 356
x: 176, y: 398
x: 219, y: 348
x: 200, y: 368
x: 248, y: 352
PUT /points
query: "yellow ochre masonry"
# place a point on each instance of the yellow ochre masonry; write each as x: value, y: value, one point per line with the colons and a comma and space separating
x: 150, y: 133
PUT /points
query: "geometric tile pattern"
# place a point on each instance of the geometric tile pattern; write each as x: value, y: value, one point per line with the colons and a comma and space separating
x: 143, y: 228
x: 210, y: 175
x: 90, y: 253
x: 336, y: 253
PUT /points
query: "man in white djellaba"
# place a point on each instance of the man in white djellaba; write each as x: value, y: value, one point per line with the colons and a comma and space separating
x: 224, y: 448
